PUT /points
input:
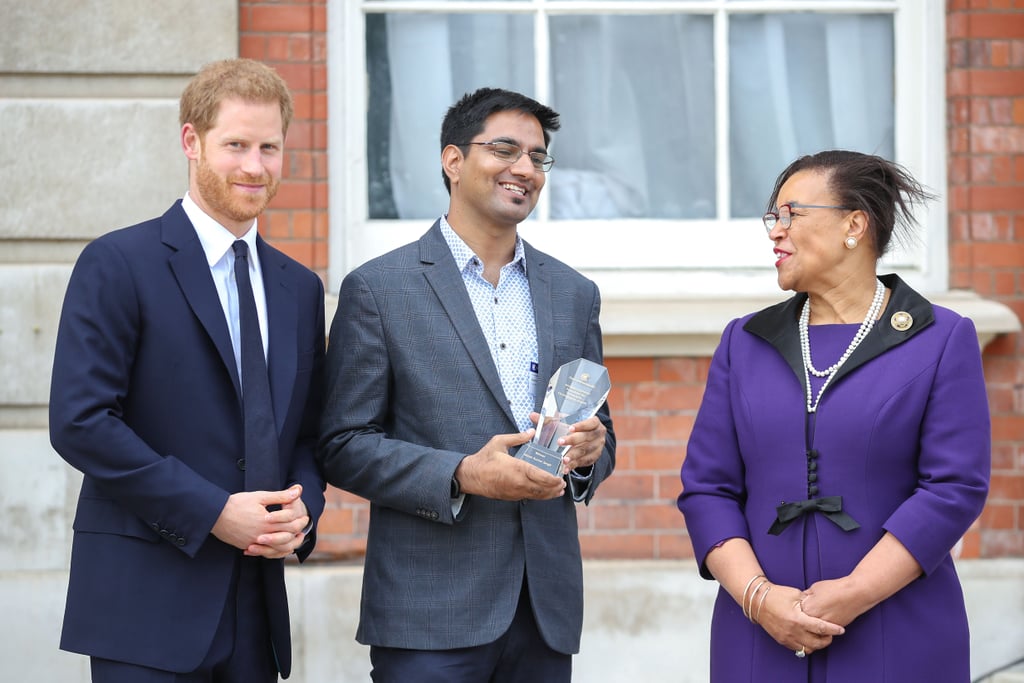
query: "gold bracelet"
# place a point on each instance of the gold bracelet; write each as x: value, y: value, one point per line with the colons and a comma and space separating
x: 749, y: 607
x: 743, y: 602
x: 760, y: 604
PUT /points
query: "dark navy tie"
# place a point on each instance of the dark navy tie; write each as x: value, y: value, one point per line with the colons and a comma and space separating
x: 262, y: 472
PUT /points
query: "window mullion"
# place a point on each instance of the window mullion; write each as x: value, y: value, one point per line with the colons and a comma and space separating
x: 721, y: 66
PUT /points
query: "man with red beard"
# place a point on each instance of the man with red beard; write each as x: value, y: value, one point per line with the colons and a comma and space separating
x: 192, y: 496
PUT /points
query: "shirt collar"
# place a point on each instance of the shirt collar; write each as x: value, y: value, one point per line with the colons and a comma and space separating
x: 215, y: 239
x: 463, y: 254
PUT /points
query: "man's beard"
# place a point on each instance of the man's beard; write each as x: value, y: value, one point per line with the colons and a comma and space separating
x: 217, y: 195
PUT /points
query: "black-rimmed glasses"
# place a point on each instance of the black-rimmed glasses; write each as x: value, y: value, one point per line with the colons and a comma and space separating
x: 509, y: 153
x: 784, y: 216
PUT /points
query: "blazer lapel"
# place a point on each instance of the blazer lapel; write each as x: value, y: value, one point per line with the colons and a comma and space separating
x: 188, y: 263
x: 444, y: 278
x: 282, y: 323
x: 777, y: 325
x: 540, y: 293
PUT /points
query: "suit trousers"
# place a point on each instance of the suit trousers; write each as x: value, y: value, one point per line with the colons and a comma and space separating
x: 240, y: 653
x: 518, y: 656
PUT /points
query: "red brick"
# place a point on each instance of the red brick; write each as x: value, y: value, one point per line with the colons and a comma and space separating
x: 674, y: 427
x: 996, y: 139
x: 1004, y: 457
x: 1002, y: 544
x: 626, y: 486
x: 677, y: 370
x: 999, y: 54
x: 605, y: 517
x: 298, y: 76
x: 1009, y: 428
x: 669, y: 485
x: 983, y: 227
x: 279, y: 18
x: 981, y: 170
x: 300, y: 48
x: 630, y: 370
x: 970, y: 547
x: 957, y: 25
x: 300, y: 250
x: 302, y: 225
x: 633, y: 427
x: 1000, y: 400
x: 673, y: 547
x: 657, y: 516
x: 335, y: 549
x: 1017, y: 111
x: 994, y: 82
x: 622, y: 546
x: 997, y: 199
x: 1001, y: 110
x: 995, y: 25
x: 661, y: 397
x: 335, y: 521
x: 1006, y: 284
x: 659, y: 456
x: 981, y: 282
x: 1002, y: 169
x: 253, y: 47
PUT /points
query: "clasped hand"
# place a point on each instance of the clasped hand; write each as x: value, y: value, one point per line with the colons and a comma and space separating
x: 785, y: 619
x: 247, y: 523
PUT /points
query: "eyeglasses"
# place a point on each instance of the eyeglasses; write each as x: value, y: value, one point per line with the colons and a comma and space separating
x: 509, y: 153
x: 784, y: 216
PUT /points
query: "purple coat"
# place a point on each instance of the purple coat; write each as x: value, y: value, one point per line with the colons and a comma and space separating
x: 902, y: 435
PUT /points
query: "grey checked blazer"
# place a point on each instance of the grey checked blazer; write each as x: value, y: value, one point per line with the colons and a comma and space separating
x: 411, y: 390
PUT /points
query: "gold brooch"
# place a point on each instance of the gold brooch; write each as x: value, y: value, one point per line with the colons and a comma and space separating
x: 901, y: 321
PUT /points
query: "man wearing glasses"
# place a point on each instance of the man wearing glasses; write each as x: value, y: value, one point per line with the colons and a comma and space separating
x: 439, y: 356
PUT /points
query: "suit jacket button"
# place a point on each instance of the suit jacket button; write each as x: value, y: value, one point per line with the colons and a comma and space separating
x: 165, y: 533
x: 180, y: 541
x: 240, y: 464
x: 156, y: 526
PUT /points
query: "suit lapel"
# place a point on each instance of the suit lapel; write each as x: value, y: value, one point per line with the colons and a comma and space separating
x: 444, y: 278
x: 282, y: 323
x: 540, y: 294
x: 188, y: 263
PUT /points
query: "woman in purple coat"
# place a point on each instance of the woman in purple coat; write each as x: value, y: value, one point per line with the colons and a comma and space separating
x: 840, y: 452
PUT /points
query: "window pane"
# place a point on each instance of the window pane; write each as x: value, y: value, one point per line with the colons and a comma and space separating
x: 418, y: 65
x: 636, y: 96
x: 802, y: 83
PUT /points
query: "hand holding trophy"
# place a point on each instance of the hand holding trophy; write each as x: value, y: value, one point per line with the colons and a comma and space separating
x: 576, y: 391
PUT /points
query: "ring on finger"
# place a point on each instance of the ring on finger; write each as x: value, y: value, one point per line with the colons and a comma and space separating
x: 801, y: 653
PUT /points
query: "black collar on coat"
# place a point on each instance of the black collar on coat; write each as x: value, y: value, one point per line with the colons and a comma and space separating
x: 777, y: 325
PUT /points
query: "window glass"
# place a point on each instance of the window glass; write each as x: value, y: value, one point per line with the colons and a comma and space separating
x: 802, y: 83
x: 636, y: 95
x: 417, y: 65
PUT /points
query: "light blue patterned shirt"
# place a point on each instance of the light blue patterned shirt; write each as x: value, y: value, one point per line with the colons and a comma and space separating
x: 506, y: 317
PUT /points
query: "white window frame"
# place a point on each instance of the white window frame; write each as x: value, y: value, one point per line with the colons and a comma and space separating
x: 643, y: 259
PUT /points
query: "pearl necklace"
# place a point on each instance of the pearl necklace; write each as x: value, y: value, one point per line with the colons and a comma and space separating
x: 829, y: 372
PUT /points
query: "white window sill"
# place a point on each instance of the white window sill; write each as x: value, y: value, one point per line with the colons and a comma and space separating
x: 693, y: 326
x: 688, y: 326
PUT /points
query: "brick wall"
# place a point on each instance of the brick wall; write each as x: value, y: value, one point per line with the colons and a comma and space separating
x: 985, y: 92
x: 654, y: 401
x: 291, y: 36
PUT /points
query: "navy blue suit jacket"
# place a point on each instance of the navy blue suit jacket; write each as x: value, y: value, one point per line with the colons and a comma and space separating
x: 145, y: 403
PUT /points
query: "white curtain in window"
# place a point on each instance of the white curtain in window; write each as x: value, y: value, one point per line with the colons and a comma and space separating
x: 637, y: 99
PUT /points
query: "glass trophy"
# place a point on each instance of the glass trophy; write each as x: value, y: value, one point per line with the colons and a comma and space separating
x: 576, y: 391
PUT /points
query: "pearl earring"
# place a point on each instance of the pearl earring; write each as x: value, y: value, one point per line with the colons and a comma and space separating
x: 851, y: 242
